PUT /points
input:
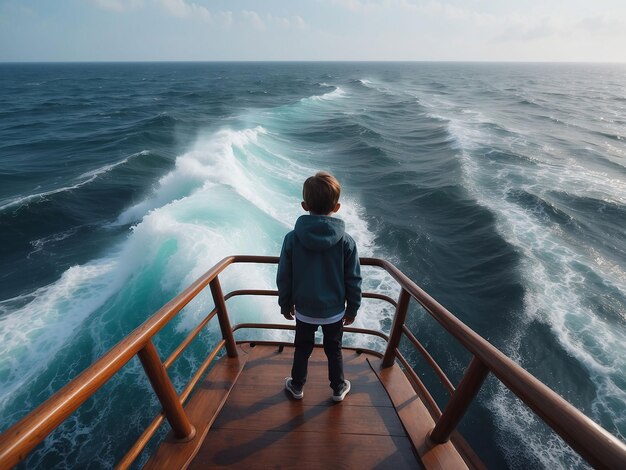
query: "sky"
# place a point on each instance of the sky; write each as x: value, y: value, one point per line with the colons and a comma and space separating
x: 212, y: 30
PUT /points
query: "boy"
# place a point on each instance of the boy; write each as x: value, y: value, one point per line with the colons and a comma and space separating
x: 319, y: 280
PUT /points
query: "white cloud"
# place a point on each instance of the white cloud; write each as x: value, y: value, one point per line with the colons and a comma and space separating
x: 253, y: 18
x: 603, y: 25
x: 353, y: 5
x: 536, y: 23
x: 118, y: 5
x: 262, y: 22
x: 182, y: 9
x: 530, y: 28
x: 434, y: 8
x: 226, y: 18
x: 452, y: 12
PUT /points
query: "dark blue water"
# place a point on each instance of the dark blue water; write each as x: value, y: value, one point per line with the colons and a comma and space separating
x: 500, y: 188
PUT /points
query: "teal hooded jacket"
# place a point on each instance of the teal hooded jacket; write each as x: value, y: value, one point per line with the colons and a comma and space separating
x: 319, y: 271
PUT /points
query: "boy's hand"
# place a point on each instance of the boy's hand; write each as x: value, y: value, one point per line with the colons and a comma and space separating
x: 288, y: 314
x: 348, y: 321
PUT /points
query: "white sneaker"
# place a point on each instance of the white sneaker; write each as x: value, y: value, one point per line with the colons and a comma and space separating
x: 297, y: 394
x: 340, y: 394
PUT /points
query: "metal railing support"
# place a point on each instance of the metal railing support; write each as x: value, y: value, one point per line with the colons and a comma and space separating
x: 471, y: 382
x: 164, y: 389
x: 222, y: 316
x: 396, y: 329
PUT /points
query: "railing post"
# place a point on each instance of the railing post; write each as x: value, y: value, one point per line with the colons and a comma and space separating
x: 457, y: 406
x: 162, y: 385
x: 396, y: 329
x: 222, y: 316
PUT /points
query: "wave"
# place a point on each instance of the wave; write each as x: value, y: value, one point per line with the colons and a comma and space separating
x: 106, y: 168
x: 39, y: 243
x: 556, y: 275
x: 338, y: 92
x: 85, y: 178
x: 233, y: 192
x: 31, y: 334
x: 496, y: 204
x: 610, y: 135
x: 211, y: 161
x: 379, y: 87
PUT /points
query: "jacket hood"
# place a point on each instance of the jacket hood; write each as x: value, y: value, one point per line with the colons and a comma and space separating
x: 319, y: 232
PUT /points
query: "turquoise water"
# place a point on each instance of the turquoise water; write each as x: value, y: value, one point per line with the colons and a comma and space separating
x: 500, y: 188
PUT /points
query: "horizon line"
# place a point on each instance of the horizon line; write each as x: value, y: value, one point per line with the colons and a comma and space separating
x: 140, y: 61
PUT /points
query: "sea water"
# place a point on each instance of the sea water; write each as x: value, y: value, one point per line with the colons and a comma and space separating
x: 499, y: 188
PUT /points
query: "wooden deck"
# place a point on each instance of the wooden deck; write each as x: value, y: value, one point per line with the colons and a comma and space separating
x: 245, y: 419
x: 239, y: 416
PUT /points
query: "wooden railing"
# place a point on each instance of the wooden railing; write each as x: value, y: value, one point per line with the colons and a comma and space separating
x: 600, y: 448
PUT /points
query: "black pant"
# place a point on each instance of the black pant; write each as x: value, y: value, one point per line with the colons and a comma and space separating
x: 304, y: 343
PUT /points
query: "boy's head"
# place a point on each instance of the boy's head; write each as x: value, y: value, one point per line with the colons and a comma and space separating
x: 321, y: 194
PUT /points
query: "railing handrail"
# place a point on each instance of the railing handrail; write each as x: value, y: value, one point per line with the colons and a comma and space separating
x: 17, y: 441
x: 585, y: 436
x: 589, y: 439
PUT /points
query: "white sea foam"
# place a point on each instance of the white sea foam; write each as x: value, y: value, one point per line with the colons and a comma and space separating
x: 338, y: 92
x: 37, y: 197
x: 208, y: 162
x: 229, y: 194
x: 106, y: 168
x: 30, y: 335
x: 241, y: 176
x: 84, y: 179
x: 233, y: 192
x: 39, y: 244
x: 379, y: 87
x: 555, y: 284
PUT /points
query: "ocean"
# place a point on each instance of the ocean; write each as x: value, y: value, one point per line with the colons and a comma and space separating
x: 499, y: 188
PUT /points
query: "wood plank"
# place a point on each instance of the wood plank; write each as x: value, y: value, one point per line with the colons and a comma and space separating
x: 266, y: 369
x: 294, y: 416
x: 202, y: 409
x: 416, y: 419
x: 260, y: 426
x: 236, y: 448
x: 269, y: 357
x: 364, y: 392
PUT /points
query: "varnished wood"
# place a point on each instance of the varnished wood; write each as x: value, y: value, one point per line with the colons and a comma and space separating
x: 201, y: 370
x: 323, y: 416
x: 268, y: 368
x: 147, y: 434
x: 594, y: 443
x: 140, y: 444
x: 267, y: 292
x: 366, y: 393
x: 396, y: 329
x: 164, y: 389
x: 600, y: 448
x: 416, y: 419
x: 292, y: 327
x: 471, y: 382
x: 259, y: 419
x: 222, y: 316
x: 17, y: 441
x: 241, y: 449
x: 367, y: 390
x: 203, y: 407
x: 187, y: 341
x: 419, y: 386
x: 443, y: 378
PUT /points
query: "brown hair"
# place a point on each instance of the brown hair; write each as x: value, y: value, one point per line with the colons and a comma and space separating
x: 321, y: 193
